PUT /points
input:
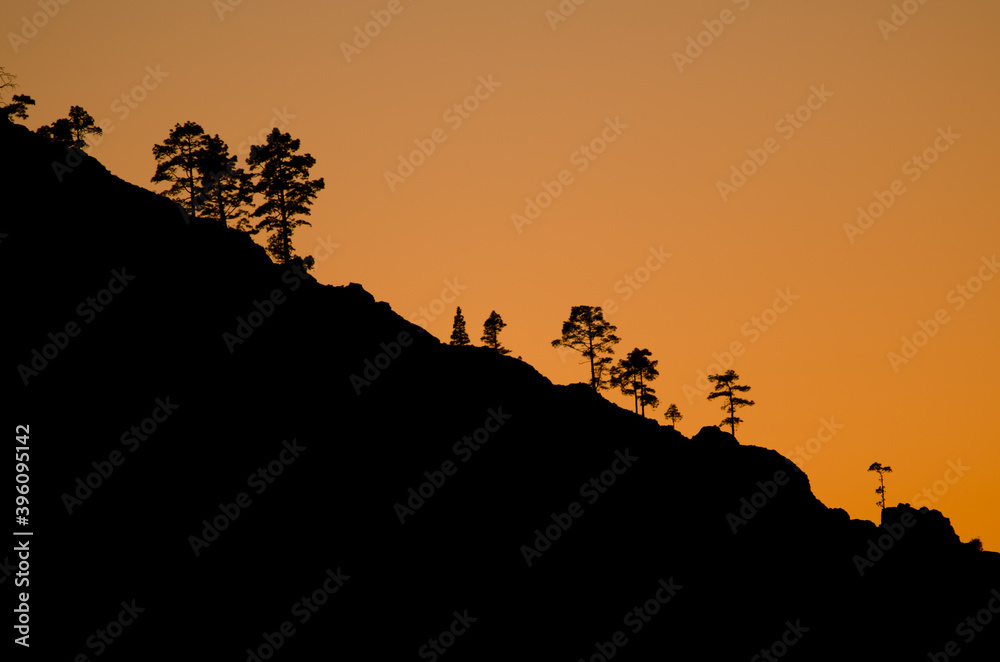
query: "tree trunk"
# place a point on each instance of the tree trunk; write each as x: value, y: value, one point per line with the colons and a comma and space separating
x: 593, y: 376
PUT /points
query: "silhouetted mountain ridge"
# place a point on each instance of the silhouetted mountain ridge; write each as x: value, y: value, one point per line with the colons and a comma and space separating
x: 376, y: 406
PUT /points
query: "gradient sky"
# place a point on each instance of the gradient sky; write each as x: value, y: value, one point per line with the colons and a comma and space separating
x: 237, y: 67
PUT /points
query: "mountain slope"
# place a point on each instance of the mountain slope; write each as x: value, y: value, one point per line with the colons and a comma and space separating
x: 282, y: 464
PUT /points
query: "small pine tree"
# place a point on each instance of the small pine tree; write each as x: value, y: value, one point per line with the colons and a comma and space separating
x: 18, y: 106
x: 491, y: 333
x: 673, y: 414
x: 726, y: 387
x: 458, y: 334
x: 82, y: 125
x: 880, y: 490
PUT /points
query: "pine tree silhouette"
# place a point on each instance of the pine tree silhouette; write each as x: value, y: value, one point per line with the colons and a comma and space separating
x: 177, y: 163
x: 587, y: 332
x: 458, y: 333
x: 288, y: 192
x: 880, y: 490
x: 726, y: 387
x: 491, y: 333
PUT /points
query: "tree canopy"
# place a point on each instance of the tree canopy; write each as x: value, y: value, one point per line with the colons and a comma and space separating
x: 880, y: 490
x: 288, y: 192
x: 726, y: 387
x: 587, y: 332
x: 458, y: 334
x: 18, y: 104
x: 72, y: 131
x: 223, y: 189
x: 632, y: 376
x: 673, y: 414
x: 177, y: 163
x: 491, y: 332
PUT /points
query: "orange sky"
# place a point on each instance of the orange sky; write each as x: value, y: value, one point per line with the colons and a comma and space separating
x: 886, y: 93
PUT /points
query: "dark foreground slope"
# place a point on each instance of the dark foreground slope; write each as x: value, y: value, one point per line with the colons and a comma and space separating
x: 310, y: 560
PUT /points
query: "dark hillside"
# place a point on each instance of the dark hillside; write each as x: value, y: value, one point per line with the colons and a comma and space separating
x: 335, y: 463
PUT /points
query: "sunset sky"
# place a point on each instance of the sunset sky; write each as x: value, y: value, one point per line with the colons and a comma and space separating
x: 665, y: 121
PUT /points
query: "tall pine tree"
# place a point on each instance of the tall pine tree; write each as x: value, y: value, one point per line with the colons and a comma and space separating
x: 633, y: 374
x: 458, y: 333
x: 673, y: 414
x: 177, y: 163
x: 82, y: 125
x: 284, y: 182
x: 223, y: 189
x: 587, y: 332
x: 491, y: 333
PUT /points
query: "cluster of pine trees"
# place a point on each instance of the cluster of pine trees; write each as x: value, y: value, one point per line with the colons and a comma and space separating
x: 207, y: 184
x: 205, y: 181
x: 492, y: 327
x: 203, y: 176
x: 587, y: 332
